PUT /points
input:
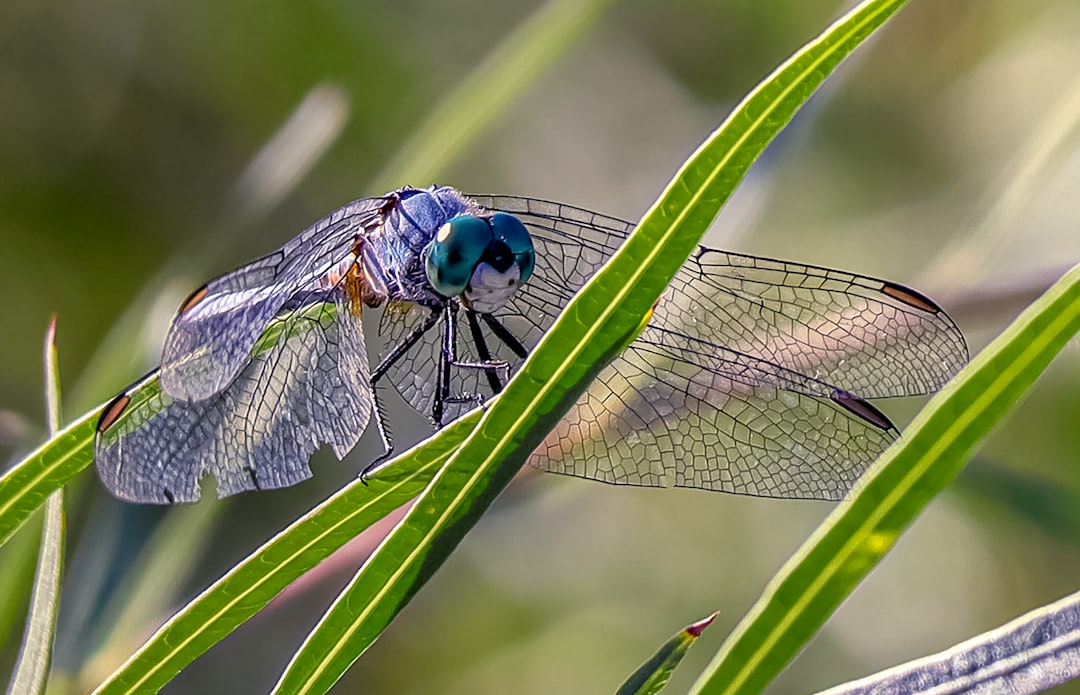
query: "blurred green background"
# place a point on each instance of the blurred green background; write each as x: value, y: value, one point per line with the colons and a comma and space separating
x: 155, y: 145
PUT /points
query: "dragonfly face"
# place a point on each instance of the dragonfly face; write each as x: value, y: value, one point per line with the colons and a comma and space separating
x: 481, y: 259
x: 752, y: 376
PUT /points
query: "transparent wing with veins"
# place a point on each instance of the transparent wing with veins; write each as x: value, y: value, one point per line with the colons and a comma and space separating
x: 261, y: 367
x: 210, y: 339
x: 304, y: 384
x: 751, y: 376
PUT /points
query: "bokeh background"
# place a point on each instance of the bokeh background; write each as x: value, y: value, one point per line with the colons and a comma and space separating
x: 148, y: 146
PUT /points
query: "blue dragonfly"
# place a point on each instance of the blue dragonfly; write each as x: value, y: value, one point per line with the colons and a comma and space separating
x: 752, y: 376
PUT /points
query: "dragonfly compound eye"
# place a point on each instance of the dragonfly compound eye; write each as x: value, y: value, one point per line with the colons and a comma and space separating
x: 505, y: 266
x: 509, y: 230
x: 453, y: 254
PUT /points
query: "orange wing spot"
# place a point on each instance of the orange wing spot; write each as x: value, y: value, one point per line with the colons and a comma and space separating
x: 193, y: 299
x: 112, y: 412
x: 910, y: 297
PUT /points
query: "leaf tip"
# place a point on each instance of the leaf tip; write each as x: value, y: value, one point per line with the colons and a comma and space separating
x: 50, y: 332
x: 695, y: 629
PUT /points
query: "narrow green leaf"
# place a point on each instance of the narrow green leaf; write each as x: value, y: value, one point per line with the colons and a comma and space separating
x: 1033, y: 653
x: 32, y: 668
x: 852, y: 540
x: 24, y: 487
x: 488, y: 90
x: 654, y: 674
x: 252, y: 583
x: 431, y: 529
x: 606, y: 313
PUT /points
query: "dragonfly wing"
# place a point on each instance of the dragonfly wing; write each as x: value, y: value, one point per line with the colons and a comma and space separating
x: 730, y: 423
x: 743, y: 380
x: 306, y: 384
x: 211, y: 337
x: 871, y: 336
x: 414, y: 374
x: 874, y: 337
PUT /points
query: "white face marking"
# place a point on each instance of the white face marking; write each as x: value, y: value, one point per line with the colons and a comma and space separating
x: 444, y: 233
x: 489, y: 289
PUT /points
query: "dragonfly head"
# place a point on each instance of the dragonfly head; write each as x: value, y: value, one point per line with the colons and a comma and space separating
x: 482, y: 259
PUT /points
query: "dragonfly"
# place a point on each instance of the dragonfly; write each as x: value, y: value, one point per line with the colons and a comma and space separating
x: 753, y: 376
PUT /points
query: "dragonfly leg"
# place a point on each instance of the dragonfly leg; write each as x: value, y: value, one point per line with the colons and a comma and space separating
x: 376, y: 376
x: 442, y: 391
x: 384, y: 434
x: 493, y: 367
x: 503, y: 334
x: 404, y: 346
x: 448, y: 360
x: 485, y: 354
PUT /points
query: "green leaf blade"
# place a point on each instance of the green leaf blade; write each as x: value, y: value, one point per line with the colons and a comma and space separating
x: 864, y: 527
x: 653, y: 675
x: 253, y: 582
x: 460, y: 492
x: 31, y: 672
x: 25, y: 486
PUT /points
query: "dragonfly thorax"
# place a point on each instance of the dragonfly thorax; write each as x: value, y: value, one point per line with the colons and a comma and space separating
x: 481, y: 259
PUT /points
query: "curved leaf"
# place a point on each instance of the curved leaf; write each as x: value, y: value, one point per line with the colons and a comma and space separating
x: 859, y: 532
x: 252, y: 583
x: 25, y: 486
x: 653, y: 675
x: 32, y: 668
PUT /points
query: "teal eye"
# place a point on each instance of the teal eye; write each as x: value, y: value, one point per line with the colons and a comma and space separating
x: 453, y: 254
x: 509, y: 230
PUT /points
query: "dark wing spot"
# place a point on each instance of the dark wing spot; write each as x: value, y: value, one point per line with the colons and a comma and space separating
x: 113, y: 411
x: 193, y: 299
x: 861, y: 408
x: 910, y: 297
